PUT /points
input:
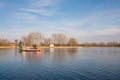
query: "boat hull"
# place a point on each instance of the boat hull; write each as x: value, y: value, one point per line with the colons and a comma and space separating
x: 31, y: 50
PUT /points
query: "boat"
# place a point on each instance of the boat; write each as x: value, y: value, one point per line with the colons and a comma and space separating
x: 33, y: 48
x: 30, y: 49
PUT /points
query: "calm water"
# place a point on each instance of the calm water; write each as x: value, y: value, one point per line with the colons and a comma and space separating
x: 61, y: 64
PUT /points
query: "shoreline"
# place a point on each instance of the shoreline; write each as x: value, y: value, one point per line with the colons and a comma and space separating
x: 13, y: 47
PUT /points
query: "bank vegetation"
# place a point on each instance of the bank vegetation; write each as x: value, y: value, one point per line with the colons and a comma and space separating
x: 58, y: 39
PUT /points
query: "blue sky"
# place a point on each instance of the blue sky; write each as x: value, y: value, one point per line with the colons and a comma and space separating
x: 86, y: 20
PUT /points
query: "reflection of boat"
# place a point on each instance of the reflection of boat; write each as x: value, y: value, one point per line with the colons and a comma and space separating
x: 31, y: 56
x: 30, y: 49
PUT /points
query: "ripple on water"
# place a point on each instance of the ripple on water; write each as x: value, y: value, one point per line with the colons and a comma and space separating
x: 46, y: 68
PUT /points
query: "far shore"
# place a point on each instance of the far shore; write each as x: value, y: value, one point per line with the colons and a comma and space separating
x: 5, y: 47
x: 13, y: 47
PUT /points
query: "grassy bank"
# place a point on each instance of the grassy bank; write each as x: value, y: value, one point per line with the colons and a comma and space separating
x: 7, y: 47
x: 11, y: 47
x: 45, y: 47
x: 63, y: 46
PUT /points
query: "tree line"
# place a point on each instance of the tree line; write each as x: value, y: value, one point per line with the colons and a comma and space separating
x: 58, y: 39
x: 4, y: 42
x: 109, y: 44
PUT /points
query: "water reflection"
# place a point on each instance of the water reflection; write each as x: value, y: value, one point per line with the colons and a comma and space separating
x: 60, y: 55
x: 72, y: 52
x: 61, y: 64
x: 31, y: 56
x: 16, y: 50
x: 51, y: 50
x: 55, y: 55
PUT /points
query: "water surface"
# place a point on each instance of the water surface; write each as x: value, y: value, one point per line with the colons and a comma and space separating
x: 61, y: 64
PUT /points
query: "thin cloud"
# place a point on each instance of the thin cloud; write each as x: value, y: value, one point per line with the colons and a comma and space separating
x: 106, y: 35
x: 102, y: 25
x: 108, y: 32
x: 42, y: 7
x: 38, y: 11
x: 45, y: 3
x: 105, y: 32
x: 103, y: 19
x: 26, y: 16
x: 79, y: 23
x: 35, y: 16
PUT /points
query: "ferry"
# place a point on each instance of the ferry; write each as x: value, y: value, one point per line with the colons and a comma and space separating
x: 30, y: 49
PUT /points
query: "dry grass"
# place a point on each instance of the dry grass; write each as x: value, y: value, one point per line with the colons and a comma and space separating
x: 7, y: 46
x: 62, y: 47
x: 10, y: 47
x: 46, y: 47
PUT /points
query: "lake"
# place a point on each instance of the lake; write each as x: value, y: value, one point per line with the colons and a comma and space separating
x: 61, y: 64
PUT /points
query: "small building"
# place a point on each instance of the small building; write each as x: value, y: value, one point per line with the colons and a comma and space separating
x: 51, y: 45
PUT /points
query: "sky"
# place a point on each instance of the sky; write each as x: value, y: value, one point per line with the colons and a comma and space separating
x: 86, y: 20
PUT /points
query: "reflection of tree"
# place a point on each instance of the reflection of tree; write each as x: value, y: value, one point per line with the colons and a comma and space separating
x: 46, y: 51
x: 16, y: 51
x: 31, y: 56
x: 72, y: 51
x: 59, y: 55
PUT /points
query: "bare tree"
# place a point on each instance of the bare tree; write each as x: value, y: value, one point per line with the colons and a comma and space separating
x: 33, y: 38
x: 16, y: 42
x: 47, y: 41
x: 26, y: 40
x: 4, y: 42
x: 59, y: 39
